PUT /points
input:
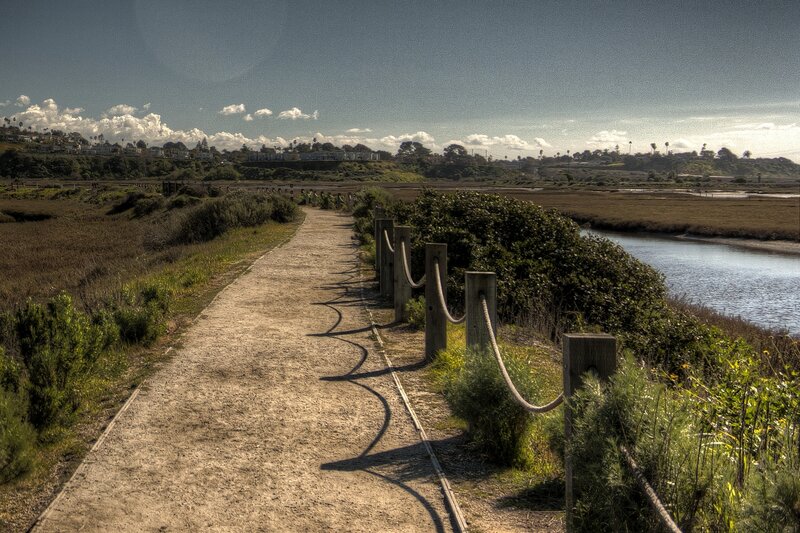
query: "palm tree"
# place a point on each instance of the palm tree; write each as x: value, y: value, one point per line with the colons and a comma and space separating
x: 666, y: 146
x: 653, y: 146
x: 630, y: 147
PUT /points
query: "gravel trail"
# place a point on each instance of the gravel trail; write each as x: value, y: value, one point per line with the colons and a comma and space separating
x: 274, y: 414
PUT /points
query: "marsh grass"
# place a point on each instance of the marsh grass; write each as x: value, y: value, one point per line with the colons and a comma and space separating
x: 86, y: 308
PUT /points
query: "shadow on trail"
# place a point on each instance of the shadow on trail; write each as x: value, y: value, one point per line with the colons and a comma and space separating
x: 411, y: 460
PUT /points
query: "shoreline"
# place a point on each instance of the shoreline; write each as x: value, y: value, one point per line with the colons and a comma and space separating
x: 776, y: 246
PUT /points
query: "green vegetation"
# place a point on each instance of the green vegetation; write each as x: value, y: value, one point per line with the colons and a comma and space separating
x: 711, y: 416
x: 75, y: 330
x: 415, y: 308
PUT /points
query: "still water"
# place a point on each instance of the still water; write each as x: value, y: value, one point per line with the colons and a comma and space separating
x: 762, y: 287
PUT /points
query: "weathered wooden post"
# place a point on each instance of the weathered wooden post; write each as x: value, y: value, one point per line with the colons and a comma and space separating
x: 377, y: 214
x: 582, y: 352
x: 479, y: 285
x: 402, y: 288
x: 386, y: 277
x: 435, y: 319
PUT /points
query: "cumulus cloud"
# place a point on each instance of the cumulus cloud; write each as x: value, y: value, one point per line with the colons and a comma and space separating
x: 684, y: 144
x: 233, y: 109
x: 420, y: 137
x: 248, y: 118
x: 608, y: 139
x: 146, y: 106
x: 73, y: 110
x: 508, y: 142
x: 296, y: 113
x: 359, y: 130
x: 120, y: 109
x: 3, y: 104
x: 22, y: 101
x: 263, y: 112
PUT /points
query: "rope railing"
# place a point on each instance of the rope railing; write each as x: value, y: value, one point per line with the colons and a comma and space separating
x: 388, y: 241
x: 581, y: 352
x: 514, y: 392
x: 652, y: 498
x: 442, y: 301
x: 407, y: 271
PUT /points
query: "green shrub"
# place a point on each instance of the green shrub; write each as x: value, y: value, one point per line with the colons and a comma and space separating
x: 477, y: 393
x: 183, y: 200
x: 415, y: 308
x: 363, y: 208
x: 58, y: 346
x: 772, y: 501
x: 685, y: 466
x: 141, y: 317
x: 217, y: 216
x: 17, y: 437
x: 147, y: 205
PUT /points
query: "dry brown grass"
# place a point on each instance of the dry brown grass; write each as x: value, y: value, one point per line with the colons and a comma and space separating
x: 760, y: 218
x: 81, y: 250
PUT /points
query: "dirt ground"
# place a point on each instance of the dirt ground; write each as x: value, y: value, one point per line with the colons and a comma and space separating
x: 275, y: 413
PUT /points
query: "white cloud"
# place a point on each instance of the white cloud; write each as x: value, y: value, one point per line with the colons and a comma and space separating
x: 3, y: 104
x: 296, y: 113
x: 22, y: 101
x: 73, y: 110
x: 509, y: 142
x: 420, y: 137
x: 263, y: 112
x: 684, y: 144
x: 233, y: 109
x: 146, y: 106
x: 120, y: 109
x: 359, y: 130
x: 608, y: 139
x: 248, y: 118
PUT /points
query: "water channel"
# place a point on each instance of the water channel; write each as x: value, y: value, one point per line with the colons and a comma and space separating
x: 762, y: 287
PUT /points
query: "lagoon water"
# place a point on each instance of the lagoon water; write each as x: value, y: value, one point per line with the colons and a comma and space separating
x: 762, y: 287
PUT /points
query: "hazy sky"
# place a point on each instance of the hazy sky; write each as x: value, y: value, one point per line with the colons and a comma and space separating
x: 508, y: 77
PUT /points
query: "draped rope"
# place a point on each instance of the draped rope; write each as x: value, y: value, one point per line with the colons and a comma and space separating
x: 404, y: 260
x: 517, y: 396
x: 442, y: 300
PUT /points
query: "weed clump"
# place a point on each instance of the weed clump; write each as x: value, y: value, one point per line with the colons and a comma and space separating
x: 478, y: 394
x: 415, y: 308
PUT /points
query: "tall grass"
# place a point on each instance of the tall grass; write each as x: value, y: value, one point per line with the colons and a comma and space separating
x: 59, y: 355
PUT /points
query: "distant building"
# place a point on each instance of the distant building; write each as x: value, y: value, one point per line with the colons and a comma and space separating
x: 313, y: 156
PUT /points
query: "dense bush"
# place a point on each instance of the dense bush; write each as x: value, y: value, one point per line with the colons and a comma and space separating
x: 141, y: 317
x: 366, y: 200
x: 476, y: 391
x: 686, y: 468
x: 540, y: 258
x: 17, y: 437
x: 217, y: 216
x: 58, y: 346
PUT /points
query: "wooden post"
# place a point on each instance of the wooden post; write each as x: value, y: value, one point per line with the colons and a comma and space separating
x: 582, y: 352
x: 387, y: 259
x: 435, y: 321
x: 477, y: 285
x: 377, y: 214
x: 402, y: 289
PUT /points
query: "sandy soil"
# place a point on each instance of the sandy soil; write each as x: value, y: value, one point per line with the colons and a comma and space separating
x: 275, y: 414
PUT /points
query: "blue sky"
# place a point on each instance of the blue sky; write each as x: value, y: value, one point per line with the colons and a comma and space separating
x: 510, y: 78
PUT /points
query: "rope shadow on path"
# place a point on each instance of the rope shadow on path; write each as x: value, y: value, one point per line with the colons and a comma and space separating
x: 363, y: 459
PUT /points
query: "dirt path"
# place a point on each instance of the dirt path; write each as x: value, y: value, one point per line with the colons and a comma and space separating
x: 274, y: 414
